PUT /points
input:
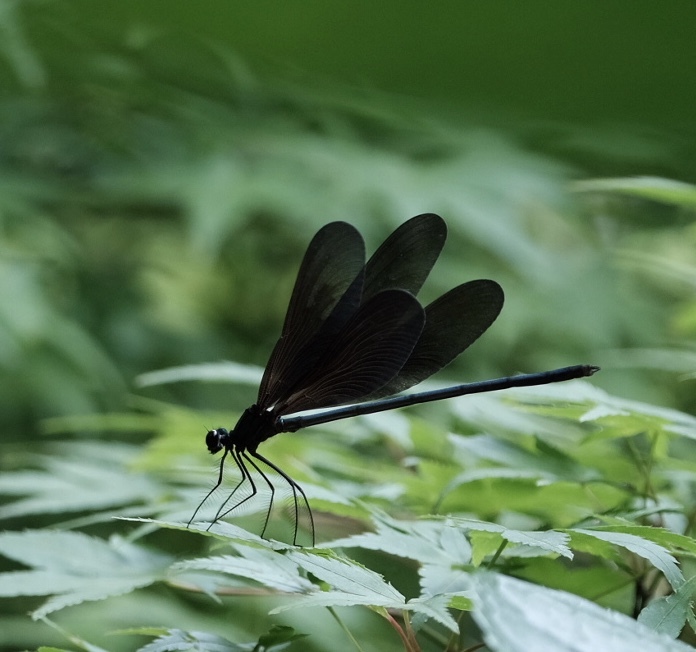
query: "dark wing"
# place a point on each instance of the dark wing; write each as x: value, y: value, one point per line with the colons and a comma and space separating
x: 405, y: 258
x: 452, y: 323
x: 327, y: 293
x: 367, y: 354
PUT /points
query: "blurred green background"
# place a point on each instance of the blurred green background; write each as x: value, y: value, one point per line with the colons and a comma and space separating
x: 163, y: 165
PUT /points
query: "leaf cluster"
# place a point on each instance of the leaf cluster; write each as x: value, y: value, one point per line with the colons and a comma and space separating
x: 156, y: 197
x: 564, y: 498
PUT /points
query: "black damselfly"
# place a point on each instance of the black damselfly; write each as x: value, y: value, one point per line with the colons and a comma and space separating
x: 354, y: 334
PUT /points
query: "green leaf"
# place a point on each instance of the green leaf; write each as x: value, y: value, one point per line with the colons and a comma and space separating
x: 435, y: 607
x: 549, y: 541
x: 443, y: 580
x: 350, y: 577
x: 659, y: 189
x: 85, y: 476
x: 427, y: 541
x: 484, y: 544
x: 441, y: 549
x: 179, y: 639
x: 672, y: 541
x: 278, y: 638
x: 517, y: 616
x: 670, y: 613
x: 658, y: 556
x: 619, y: 417
x: 231, y: 372
x: 607, y: 584
x: 275, y: 571
x: 518, y: 462
x: 502, y: 412
x: 220, y: 530
x: 74, y: 567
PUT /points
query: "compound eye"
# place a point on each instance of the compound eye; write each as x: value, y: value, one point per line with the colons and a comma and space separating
x: 215, y: 440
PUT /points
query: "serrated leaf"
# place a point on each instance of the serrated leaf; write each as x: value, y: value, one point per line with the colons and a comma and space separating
x: 37, y: 582
x: 672, y: 541
x: 338, y: 599
x: 351, y: 584
x: 517, y: 616
x: 179, y: 639
x: 275, y: 571
x: 669, y: 614
x: 348, y: 576
x: 278, y: 638
x: 548, y: 541
x: 93, y: 589
x: 427, y: 541
x: 89, y: 476
x: 435, y: 607
x: 543, y: 462
x: 438, y: 579
x: 75, y: 567
x: 658, y: 556
x: 75, y: 552
x: 503, y: 412
x: 220, y: 530
x: 621, y: 417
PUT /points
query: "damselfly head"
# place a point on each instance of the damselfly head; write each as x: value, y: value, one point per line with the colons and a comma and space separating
x: 215, y: 439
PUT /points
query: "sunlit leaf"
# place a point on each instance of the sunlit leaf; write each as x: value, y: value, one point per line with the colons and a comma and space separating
x: 424, y: 541
x: 353, y: 579
x: 435, y: 607
x: 265, y: 567
x: 672, y: 541
x: 73, y: 567
x: 443, y: 580
x: 516, y: 616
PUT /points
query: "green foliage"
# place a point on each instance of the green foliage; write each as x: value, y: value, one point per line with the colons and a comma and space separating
x: 619, y: 539
x: 73, y: 567
x: 516, y: 616
x: 155, y: 199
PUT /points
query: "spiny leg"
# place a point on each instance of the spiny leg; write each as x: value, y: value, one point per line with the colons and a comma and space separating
x: 295, y: 488
x: 220, y: 514
x: 212, y: 491
x: 270, y: 486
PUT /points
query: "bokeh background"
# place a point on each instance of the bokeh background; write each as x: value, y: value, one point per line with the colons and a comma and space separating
x: 163, y: 165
